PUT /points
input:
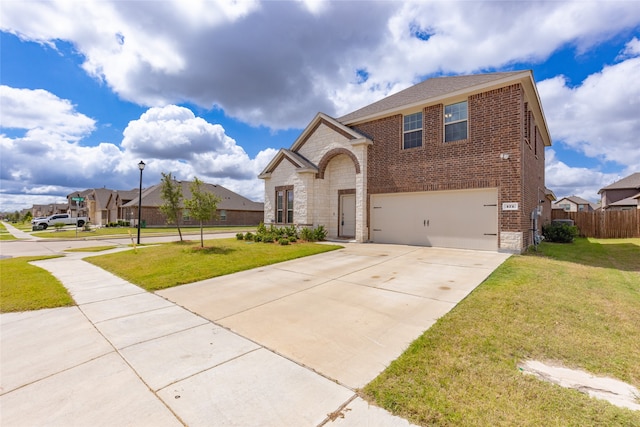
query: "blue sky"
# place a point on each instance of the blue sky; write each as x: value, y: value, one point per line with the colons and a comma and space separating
x: 214, y: 88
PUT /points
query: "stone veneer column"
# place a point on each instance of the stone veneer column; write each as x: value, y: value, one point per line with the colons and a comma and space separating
x: 359, y: 148
x: 511, y: 241
x: 304, y: 198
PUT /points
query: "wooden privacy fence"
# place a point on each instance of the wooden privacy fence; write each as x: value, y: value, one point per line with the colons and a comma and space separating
x: 603, y: 224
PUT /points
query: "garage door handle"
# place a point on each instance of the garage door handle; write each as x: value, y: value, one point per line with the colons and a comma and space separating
x: 425, y: 223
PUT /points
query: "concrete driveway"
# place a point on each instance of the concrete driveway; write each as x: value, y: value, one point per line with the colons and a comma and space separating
x: 345, y: 314
x: 308, y: 333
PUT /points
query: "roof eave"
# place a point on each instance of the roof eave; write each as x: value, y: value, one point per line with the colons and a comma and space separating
x: 524, y: 77
x: 437, y: 99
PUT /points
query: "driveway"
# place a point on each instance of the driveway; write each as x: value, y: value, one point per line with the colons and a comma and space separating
x: 308, y: 333
x: 345, y: 314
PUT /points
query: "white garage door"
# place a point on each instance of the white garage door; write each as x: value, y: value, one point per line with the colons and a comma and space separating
x: 466, y: 219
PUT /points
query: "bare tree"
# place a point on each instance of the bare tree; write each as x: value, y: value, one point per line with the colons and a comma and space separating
x: 171, y: 194
x: 202, y: 205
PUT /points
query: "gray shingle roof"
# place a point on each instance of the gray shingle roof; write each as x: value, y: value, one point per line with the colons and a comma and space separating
x: 629, y: 201
x: 301, y: 162
x: 228, y: 199
x: 630, y: 182
x: 578, y: 200
x: 428, y: 89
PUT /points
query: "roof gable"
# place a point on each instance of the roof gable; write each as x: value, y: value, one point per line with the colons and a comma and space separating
x: 330, y: 122
x: 574, y: 199
x: 299, y: 162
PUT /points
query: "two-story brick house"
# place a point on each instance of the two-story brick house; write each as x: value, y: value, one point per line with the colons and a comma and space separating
x: 452, y: 162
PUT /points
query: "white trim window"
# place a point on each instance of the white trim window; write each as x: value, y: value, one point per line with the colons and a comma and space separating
x: 412, y: 131
x: 455, y: 122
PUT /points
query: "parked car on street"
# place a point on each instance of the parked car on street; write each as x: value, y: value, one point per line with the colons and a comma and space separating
x: 65, y: 219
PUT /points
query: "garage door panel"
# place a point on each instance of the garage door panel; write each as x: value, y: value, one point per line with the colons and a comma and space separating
x: 456, y: 219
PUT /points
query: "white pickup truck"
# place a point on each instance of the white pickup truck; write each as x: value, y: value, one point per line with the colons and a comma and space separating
x: 66, y: 219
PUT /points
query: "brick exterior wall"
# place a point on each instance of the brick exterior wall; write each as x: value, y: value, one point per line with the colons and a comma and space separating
x: 496, y: 121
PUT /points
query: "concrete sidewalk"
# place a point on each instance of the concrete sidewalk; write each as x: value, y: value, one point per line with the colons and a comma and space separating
x: 124, y: 356
x: 18, y: 234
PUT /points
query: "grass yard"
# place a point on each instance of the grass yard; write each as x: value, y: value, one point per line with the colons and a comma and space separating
x: 92, y: 249
x: 71, y: 233
x: 171, y: 264
x: 4, y: 234
x: 27, y: 287
x: 575, y: 304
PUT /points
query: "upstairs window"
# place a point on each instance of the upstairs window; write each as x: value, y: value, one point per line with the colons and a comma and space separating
x: 455, y: 122
x: 223, y: 215
x: 412, y: 131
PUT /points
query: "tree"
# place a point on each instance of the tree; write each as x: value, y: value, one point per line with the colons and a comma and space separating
x: 202, y: 205
x: 171, y: 194
x: 28, y: 216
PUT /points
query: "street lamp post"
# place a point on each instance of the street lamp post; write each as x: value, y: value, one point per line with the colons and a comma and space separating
x: 141, y: 166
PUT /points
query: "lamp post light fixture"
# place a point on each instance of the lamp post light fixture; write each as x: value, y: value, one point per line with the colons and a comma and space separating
x: 141, y: 166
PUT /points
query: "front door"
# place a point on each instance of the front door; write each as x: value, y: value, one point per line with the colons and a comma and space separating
x: 347, y: 226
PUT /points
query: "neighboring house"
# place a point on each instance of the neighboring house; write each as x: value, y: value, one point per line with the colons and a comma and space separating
x: 547, y: 205
x: 117, y: 200
x: 50, y: 209
x: 622, y: 194
x: 451, y: 162
x: 233, y: 209
x: 574, y: 204
x: 80, y: 207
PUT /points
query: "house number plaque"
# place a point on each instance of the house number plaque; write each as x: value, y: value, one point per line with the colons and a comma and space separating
x: 510, y: 206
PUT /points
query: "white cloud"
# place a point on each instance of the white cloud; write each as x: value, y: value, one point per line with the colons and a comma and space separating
x: 567, y: 180
x: 598, y: 118
x: 631, y: 49
x: 275, y: 64
x: 49, y: 160
x: 39, y: 110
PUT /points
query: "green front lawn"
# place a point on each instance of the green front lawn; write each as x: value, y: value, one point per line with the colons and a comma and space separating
x: 71, y: 232
x: 575, y: 304
x: 4, y: 234
x: 27, y: 287
x: 166, y: 265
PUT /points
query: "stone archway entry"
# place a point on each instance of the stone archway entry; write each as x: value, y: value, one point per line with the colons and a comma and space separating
x: 347, y: 225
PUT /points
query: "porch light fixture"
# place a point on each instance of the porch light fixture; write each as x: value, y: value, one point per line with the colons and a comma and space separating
x: 504, y: 156
x: 141, y: 166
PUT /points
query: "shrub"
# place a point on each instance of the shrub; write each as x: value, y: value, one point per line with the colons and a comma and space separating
x: 319, y: 233
x: 276, y: 231
x: 293, y: 239
x: 268, y: 238
x: 559, y: 233
x: 58, y: 226
x: 239, y: 236
x: 306, y: 234
x: 291, y: 231
x: 257, y: 238
x: 249, y: 236
x: 262, y: 229
x: 283, y: 241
